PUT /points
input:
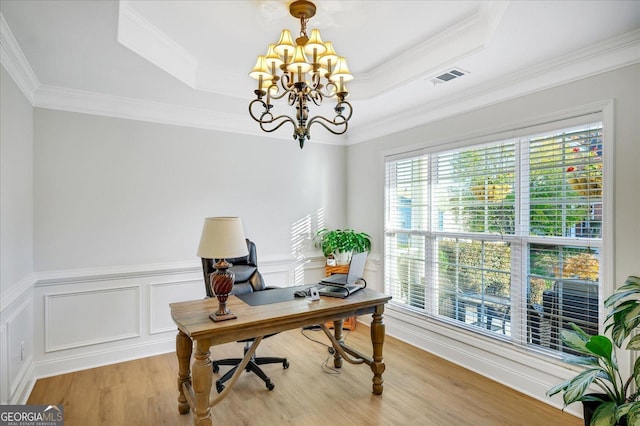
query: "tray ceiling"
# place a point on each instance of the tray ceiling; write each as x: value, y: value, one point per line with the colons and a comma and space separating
x: 187, y: 62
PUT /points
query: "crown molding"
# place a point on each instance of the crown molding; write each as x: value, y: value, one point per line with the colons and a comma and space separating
x: 13, y: 60
x: 599, y: 58
x: 81, y: 101
x: 85, y: 102
x: 148, y: 41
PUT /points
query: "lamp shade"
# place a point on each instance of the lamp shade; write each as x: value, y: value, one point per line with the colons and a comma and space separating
x: 285, y: 45
x: 341, y: 72
x: 222, y: 238
x: 299, y: 63
x: 260, y: 70
x: 329, y: 57
x: 315, y: 43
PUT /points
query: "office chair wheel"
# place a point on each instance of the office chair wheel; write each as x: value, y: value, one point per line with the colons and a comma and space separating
x: 270, y: 385
x: 285, y: 364
x: 219, y: 386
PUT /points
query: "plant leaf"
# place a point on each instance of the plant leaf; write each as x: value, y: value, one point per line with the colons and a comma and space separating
x: 630, y: 287
x: 577, y: 386
x: 600, y: 346
x: 593, y: 397
x: 633, y: 415
x: 558, y: 388
x: 636, y: 372
x: 632, y: 315
x: 604, y: 415
x: 575, y: 340
x: 634, y: 343
x: 581, y: 360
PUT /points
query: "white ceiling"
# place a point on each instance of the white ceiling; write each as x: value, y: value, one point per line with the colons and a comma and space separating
x: 187, y: 62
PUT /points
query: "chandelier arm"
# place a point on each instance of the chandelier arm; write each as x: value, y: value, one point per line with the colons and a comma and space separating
x: 340, y: 106
x: 339, y: 121
x: 330, y: 90
x: 285, y: 92
x: 316, y: 96
x: 284, y: 118
x: 266, y: 118
x: 322, y: 120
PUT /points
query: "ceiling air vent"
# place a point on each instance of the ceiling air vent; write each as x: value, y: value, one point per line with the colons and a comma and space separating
x: 449, y: 75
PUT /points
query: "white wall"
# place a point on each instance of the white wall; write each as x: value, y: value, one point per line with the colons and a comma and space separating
x: 620, y: 88
x: 119, y: 207
x: 16, y: 239
x: 111, y: 192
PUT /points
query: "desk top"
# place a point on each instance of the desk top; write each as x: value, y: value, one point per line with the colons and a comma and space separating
x: 192, y: 317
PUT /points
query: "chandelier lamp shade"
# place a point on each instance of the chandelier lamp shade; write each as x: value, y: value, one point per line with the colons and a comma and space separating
x: 303, y: 72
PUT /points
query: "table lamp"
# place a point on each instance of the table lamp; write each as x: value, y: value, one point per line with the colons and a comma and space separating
x: 222, y: 238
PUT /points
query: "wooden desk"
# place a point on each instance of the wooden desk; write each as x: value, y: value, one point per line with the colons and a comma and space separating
x: 194, y: 325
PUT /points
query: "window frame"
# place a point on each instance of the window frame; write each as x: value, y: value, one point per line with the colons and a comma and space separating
x: 604, y: 114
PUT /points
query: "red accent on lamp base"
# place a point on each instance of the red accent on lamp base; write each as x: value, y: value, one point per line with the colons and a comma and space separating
x: 221, y: 285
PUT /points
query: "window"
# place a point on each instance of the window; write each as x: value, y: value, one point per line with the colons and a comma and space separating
x: 502, y: 238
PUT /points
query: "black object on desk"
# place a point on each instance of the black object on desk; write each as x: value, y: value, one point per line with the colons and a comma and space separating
x: 274, y: 295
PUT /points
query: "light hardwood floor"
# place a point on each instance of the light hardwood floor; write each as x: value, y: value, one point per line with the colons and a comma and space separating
x: 419, y: 389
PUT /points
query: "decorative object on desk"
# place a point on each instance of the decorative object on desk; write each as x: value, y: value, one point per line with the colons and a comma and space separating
x: 619, y: 404
x: 302, y: 80
x: 341, y: 243
x: 222, y: 238
x: 313, y: 294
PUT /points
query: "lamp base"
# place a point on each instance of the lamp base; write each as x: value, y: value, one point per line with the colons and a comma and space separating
x: 223, y: 317
x: 221, y: 285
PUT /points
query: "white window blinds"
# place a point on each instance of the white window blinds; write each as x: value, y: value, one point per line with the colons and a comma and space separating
x: 503, y: 238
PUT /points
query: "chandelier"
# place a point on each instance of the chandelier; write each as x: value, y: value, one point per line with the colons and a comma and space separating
x: 305, y: 72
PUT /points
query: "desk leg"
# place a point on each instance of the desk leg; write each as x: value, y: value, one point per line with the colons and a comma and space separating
x: 337, y: 332
x: 184, y: 346
x: 377, y: 339
x: 202, y: 380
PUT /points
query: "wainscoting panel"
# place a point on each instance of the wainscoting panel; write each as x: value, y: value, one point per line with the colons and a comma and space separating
x: 19, y: 325
x: 16, y: 342
x: 161, y: 294
x: 87, y: 318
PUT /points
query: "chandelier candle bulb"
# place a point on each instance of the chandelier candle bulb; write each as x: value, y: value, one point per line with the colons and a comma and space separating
x: 287, y: 73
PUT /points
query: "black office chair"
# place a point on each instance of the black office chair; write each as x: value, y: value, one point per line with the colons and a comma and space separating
x: 247, y: 280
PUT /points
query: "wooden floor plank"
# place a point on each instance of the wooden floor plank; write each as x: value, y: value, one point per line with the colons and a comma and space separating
x: 419, y: 389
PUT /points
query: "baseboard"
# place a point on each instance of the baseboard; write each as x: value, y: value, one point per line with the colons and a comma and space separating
x: 25, y: 383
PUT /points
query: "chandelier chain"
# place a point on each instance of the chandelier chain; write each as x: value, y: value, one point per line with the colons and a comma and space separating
x: 303, y: 26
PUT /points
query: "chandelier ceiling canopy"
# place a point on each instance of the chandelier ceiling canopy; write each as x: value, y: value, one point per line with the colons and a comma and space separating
x: 304, y: 72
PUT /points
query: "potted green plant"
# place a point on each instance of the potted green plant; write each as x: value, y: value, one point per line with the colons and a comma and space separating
x: 617, y: 404
x: 341, y: 243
